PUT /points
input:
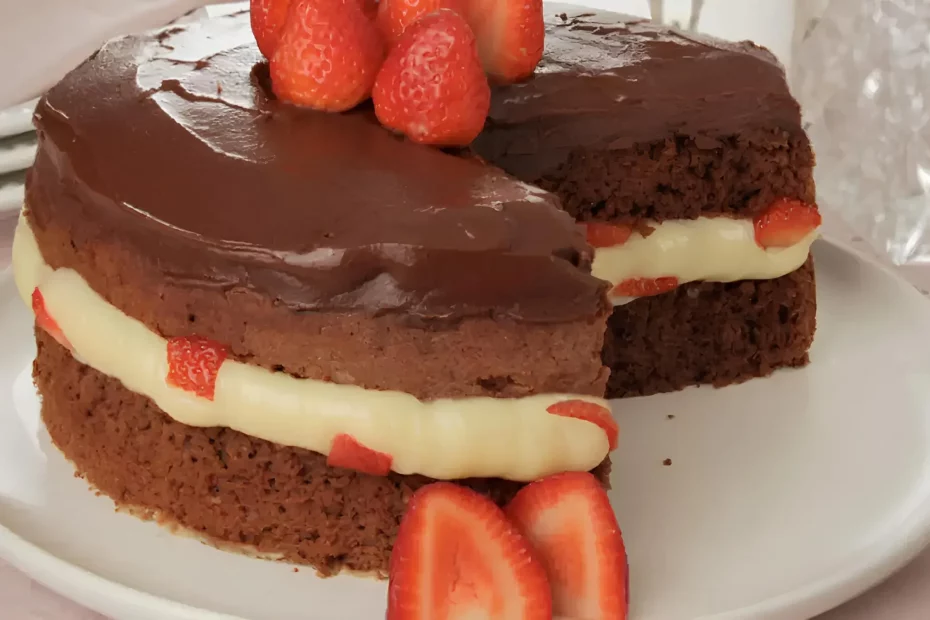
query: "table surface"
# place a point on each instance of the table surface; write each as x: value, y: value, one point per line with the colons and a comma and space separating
x: 904, y: 596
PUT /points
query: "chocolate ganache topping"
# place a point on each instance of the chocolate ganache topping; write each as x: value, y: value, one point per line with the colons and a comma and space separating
x: 609, y: 81
x: 172, y: 142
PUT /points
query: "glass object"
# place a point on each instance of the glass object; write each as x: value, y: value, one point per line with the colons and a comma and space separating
x: 861, y: 70
x: 657, y: 9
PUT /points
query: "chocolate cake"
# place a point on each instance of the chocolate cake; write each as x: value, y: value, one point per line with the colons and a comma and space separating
x: 676, y: 127
x: 271, y: 325
x: 427, y: 306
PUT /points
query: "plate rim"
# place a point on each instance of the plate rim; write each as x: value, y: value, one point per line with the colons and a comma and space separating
x: 17, y: 158
x: 878, y: 561
x: 18, y: 118
x: 85, y: 587
x: 14, y: 202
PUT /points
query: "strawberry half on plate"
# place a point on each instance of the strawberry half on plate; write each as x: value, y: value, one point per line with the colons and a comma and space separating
x: 568, y: 520
x: 457, y: 556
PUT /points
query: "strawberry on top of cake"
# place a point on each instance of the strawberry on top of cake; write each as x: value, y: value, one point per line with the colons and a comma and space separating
x: 425, y: 64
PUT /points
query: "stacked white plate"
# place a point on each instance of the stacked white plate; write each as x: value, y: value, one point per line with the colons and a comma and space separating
x: 17, y: 150
x: 18, y: 138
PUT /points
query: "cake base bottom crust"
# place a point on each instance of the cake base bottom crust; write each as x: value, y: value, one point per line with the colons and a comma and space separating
x: 227, y: 487
x: 711, y: 333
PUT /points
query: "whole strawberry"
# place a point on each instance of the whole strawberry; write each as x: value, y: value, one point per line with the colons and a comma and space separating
x: 432, y: 87
x: 395, y: 15
x: 328, y: 55
x: 268, y: 17
x: 510, y: 36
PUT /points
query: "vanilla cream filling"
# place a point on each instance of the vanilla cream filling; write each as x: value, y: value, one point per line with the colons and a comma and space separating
x: 718, y: 249
x: 516, y: 439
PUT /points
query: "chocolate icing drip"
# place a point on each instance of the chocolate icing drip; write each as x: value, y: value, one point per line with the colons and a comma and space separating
x: 172, y: 142
x: 608, y: 81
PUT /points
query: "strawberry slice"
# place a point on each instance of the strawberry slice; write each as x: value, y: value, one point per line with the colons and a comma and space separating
x: 510, y: 36
x: 328, y: 55
x: 589, y: 412
x: 348, y: 453
x: 194, y: 363
x: 457, y: 556
x: 602, y: 235
x: 569, y: 522
x: 644, y: 287
x: 395, y: 15
x: 432, y: 87
x: 268, y: 17
x: 785, y: 222
x: 45, y: 321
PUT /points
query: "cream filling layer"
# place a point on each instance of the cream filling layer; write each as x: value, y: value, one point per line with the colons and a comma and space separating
x: 718, y: 249
x: 515, y: 439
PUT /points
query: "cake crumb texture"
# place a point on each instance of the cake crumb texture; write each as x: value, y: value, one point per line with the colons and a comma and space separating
x: 711, y: 333
x: 676, y: 178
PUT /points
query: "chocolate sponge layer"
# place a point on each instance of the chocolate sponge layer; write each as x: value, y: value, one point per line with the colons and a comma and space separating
x: 682, y: 178
x: 711, y: 333
x: 228, y: 487
x: 476, y: 356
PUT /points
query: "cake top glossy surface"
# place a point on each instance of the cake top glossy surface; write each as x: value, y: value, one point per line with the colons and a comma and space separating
x: 172, y: 142
x: 610, y: 81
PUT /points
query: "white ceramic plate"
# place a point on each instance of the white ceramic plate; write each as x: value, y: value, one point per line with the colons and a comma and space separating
x: 12, y: 191
x: 17, y: 119
x: 17, y: 152
x: 785, y: 496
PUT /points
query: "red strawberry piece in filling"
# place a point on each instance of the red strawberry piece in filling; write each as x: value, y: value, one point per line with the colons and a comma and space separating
x: 348, y: 453
x: 644, y: 287
x: 601, y: 235
x: 194, y: 363
x: 786, y: 222
x: 589, y: 412
x: 45, y: 321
